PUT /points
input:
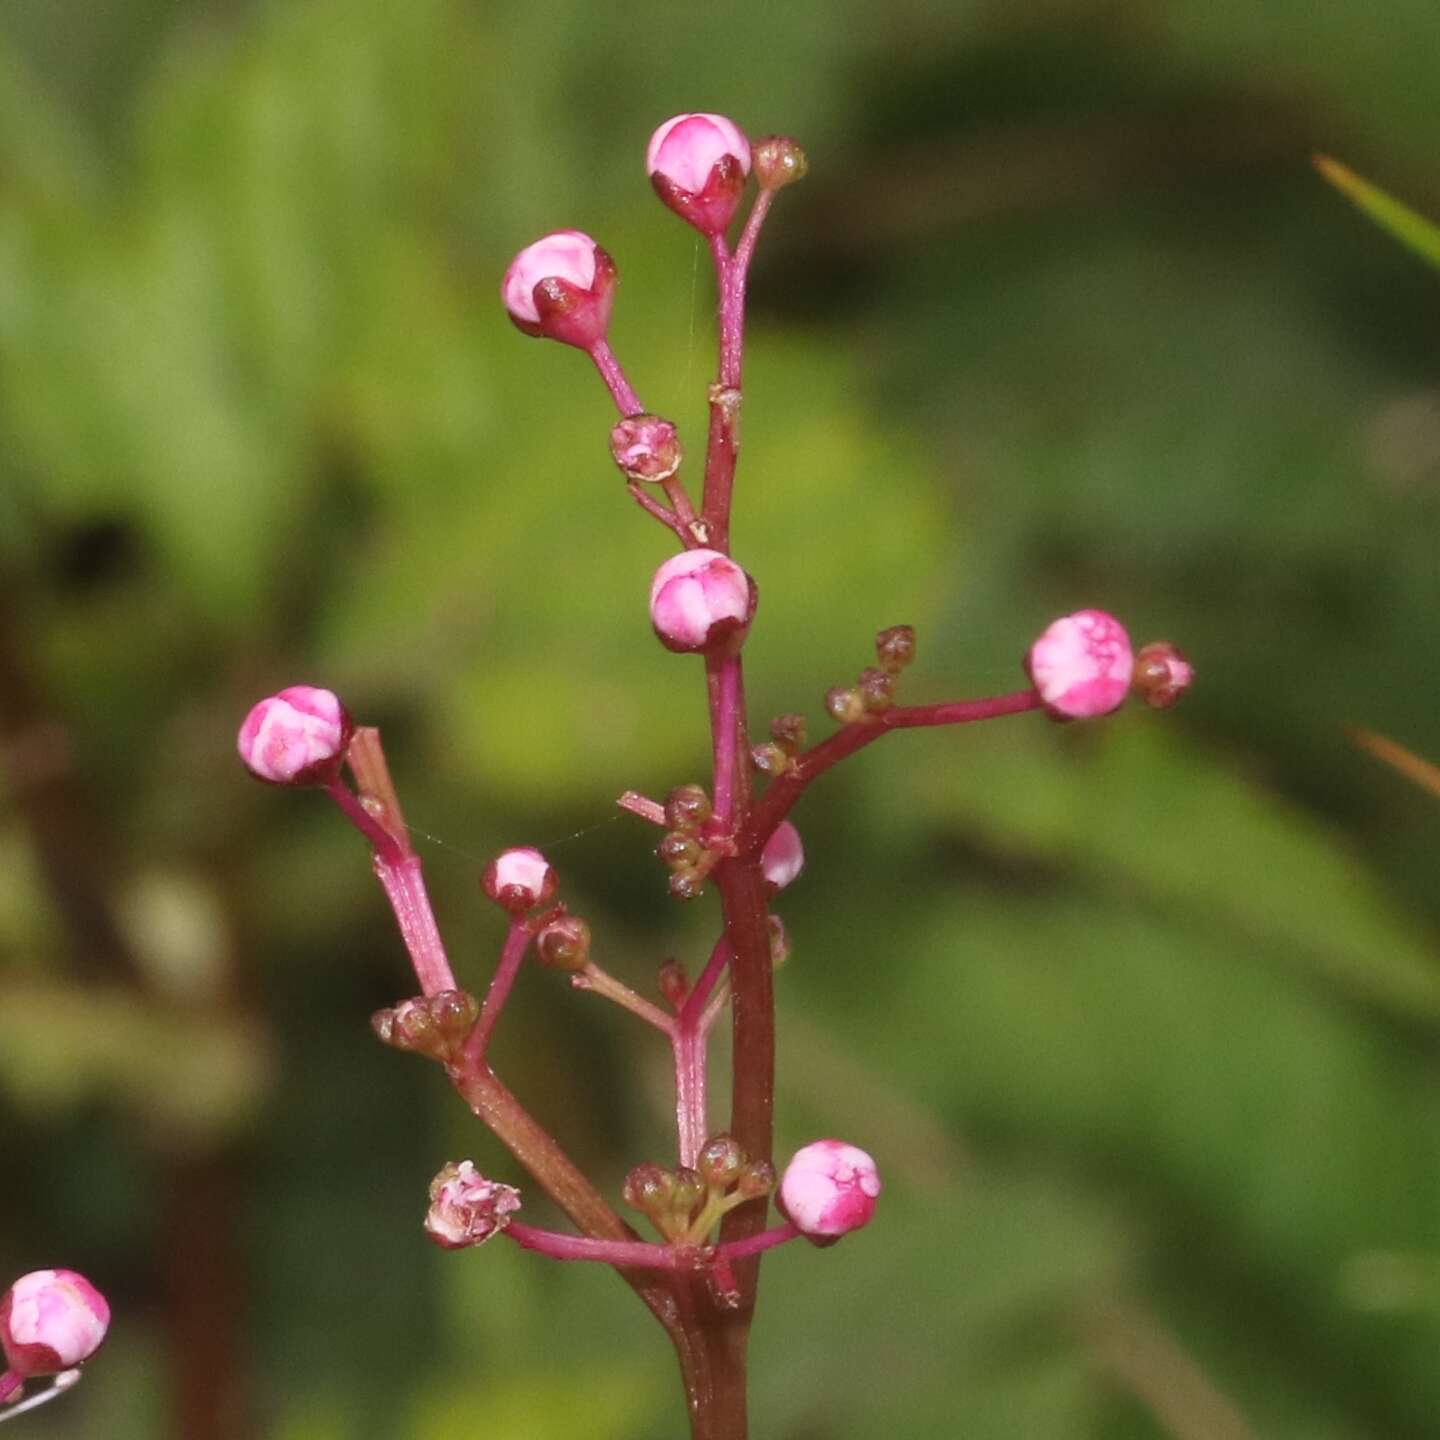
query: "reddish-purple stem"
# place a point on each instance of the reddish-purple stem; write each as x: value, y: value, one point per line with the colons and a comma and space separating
x: 691, y: 1116
x: 667, y: 517
x: 694, y: 1004
x: 627, y: 402
x: 380, y: 839
x: 512, y: 953
x: 725, y: 689
x: 756, y: 1244
x: 405, y: 888
x: 780, y: 798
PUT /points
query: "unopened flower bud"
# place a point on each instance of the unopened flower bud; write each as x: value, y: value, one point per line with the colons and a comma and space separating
x: 433, y: 1025
x: 698, y: 164
x: 700, y: 600
x: 876, y: 689
x: 687, y: 808
x: 673, y: 982
x: 778, y: 162
x: 466, y: 1208
x: 895, y: 648
x: 564, y: 944
x: 51, y: 1320
x: 720, y: 1161
x: 562, y: 288
x: 679, y: 850
x: 298, y: 737
x: 788, y: 732
x: 844, y: 705
x: 689, y: 1192
x: 770, y: 759
x: 783, y: 857
x: 1082, y: 666
x: 519, y: 880
x: 755, y: 1180
x: 829, y: 1189
x: 645, y: 447
x: 1162, y: 674
x: 686, y: 884
x: 649, y: 1189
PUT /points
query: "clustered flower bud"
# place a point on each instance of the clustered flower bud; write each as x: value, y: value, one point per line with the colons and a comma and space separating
x: 1081, y: 666
x: 683, y: 851
x: 787, y: 739
x: 645, y: 447
x: 895, y: 648
x: 829, y: 1189
x: 700, y: 600
x: 434, y: 1025
x: 466, y: 1208
x: 564, y: 943
x: 519, y: 880
x: 778, y: 162
x: 686, y: 1204
x: 51, y: 1320
x: 1162, y: 674
x: 562, y: 288
x: 698, y: 164
x: 783, y: 856
x: 298, y: 737
x: 874, y: 689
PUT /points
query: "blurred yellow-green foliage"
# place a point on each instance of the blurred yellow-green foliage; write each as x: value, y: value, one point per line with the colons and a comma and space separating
x: 1140, y: 1018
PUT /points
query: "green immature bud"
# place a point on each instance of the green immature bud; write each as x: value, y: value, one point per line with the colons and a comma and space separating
x: 770, y: 759
x: 777, y: 161
x: 877, y: 691
x: 564, y: 944
x: 687, y: 884
x: 432, y: 1025
x: 680, y: 850
x: 895, y: 648
x: 788, y: 732
x: 845, y: 706
x: 650, y: 1190
x: 687, y: 808
x: 690, y: 1191
x: 674, y: 983
x: 721, y: 1161
x: 755, y: 1180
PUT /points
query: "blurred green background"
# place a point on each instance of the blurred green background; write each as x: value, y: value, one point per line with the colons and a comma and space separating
x: 1140, y: 1018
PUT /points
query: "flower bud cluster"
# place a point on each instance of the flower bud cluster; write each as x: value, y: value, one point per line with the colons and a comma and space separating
x: 874, y: 689
x: 434, y: 1025
x: 787, y: 740
x: 829, y: 1188
x: 683, y: 850
x: 685, y: 1204
x: 466, y: 1208
x: 50, y: 1320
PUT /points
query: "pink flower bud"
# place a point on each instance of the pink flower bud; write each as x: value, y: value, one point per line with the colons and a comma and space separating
x: 561, y: 287
x: 519, y: 880
x: 829, y: 1189
x: 1082, y: 665
x: 466, y: 1208
x: 699, y: 599
x: 1162, y: 674
x: 51, y: 1320
x: 783, y: 857
x: 298, y: 737
x: 698, y: 165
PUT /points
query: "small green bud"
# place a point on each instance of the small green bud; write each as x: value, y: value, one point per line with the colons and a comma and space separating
x: 690, y: 1191
x: 564, y: 943
x: 777, y: 161
x: 649, y: 1189
x: 895, y: 648
x: 755, y: 1180
x: 877, y: 690
x: 844, y: 705
x: 770, y: 759
x: 720, y: 1161
x: 687, y: 808
x: 687, y: 884
x: 788, y: 732
x: 680, y: 850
